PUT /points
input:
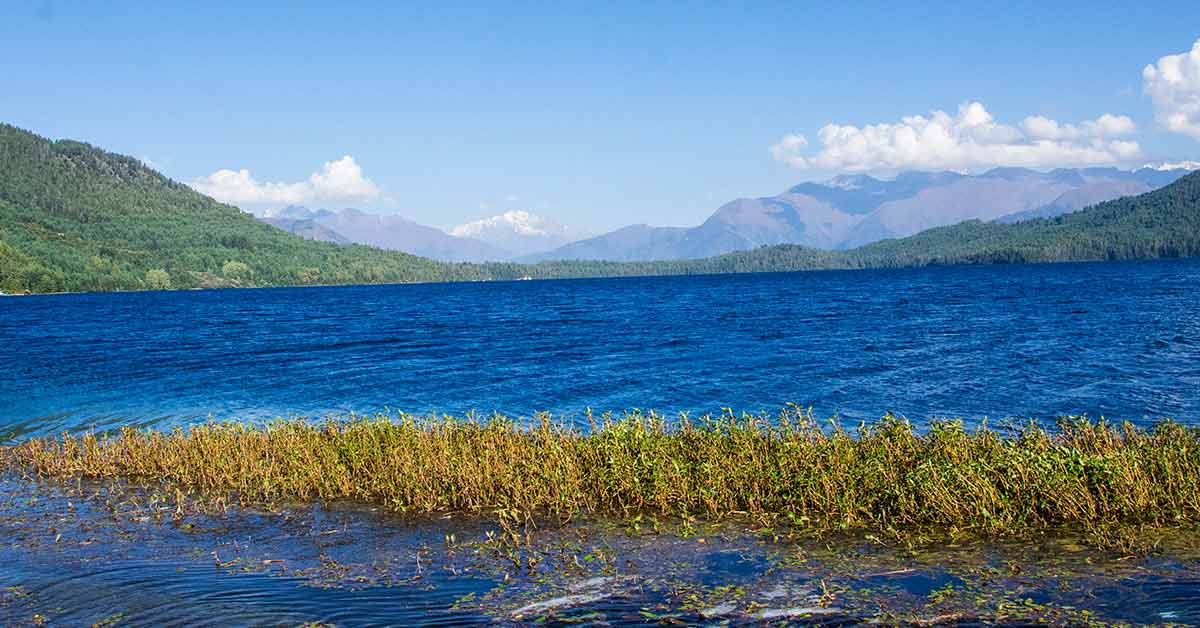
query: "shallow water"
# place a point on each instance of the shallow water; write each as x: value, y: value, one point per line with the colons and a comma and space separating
x: 82, y: 553
x: 1114, y: 339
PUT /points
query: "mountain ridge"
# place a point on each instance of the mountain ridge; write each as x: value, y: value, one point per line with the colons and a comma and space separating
x: 385, y: 231
x: 853, y: 210
x: 507, y: 236
x: 76, y: 218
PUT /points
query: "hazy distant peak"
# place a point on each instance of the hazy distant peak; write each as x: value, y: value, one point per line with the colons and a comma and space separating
x: 1070, y: 176
x: 1010, y: 173
x: 923, y: 177
x: 385, y: 231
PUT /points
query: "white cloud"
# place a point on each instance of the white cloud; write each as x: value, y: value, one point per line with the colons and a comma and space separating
x: 1186, y: 164
x: 1110, y: 125
x: 337, y: 180
x: 969, y: 140
x: 1173, y: 84
x: 1043, y: 128
x: 238, y: 186
x: 342, y: 179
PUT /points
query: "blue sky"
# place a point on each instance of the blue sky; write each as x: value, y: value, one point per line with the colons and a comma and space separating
x: 596, y: 114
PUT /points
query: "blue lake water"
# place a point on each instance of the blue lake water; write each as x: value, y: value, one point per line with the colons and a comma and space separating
x: 1114, y: 339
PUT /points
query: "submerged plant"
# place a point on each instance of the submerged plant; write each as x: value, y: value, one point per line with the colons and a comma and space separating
x: 790, y: 468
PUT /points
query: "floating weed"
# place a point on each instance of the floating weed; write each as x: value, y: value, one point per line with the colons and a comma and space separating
x: 1127, y: 540
x: 111, y: 620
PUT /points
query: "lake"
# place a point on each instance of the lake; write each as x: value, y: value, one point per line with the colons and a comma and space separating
x: 1120, y: 340
x: 1034, y: 341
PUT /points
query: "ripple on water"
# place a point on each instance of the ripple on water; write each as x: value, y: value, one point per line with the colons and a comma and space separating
x: 1024, y: 341
x: 86, y: 553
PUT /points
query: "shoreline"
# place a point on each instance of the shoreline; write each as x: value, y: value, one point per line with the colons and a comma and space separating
x: 851, y: 269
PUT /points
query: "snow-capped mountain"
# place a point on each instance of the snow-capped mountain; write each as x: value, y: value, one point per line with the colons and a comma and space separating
x: 519, y: 232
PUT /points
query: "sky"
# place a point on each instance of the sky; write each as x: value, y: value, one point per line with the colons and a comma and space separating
x: 596, y: 114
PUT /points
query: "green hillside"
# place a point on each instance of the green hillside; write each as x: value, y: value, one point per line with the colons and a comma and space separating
x: 1161, y: 223
x: 76, y: 218
x: 73, y: 217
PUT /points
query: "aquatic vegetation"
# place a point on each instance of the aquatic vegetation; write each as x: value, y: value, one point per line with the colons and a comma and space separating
x: 777, y: 470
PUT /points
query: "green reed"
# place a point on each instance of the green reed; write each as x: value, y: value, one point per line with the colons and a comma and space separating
x: 789, y: 467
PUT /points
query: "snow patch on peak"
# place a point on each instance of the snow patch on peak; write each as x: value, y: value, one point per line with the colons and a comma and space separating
x: 851, y: 181
x: 519, y: 231
x: 516, y: 220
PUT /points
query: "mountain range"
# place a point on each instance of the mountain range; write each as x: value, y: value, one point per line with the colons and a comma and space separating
x: 507, y: 236
x: 74, y: 217
x: 839, y: 214
x: 382, y: 231
x: 853, y: 210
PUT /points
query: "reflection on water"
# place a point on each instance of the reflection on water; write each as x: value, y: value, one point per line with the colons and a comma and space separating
x: 84, y: 553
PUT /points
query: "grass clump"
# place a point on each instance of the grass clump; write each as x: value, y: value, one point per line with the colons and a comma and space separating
x: 884, y: 475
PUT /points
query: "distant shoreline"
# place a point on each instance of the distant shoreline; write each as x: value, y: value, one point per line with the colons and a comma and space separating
x: 612, y: 276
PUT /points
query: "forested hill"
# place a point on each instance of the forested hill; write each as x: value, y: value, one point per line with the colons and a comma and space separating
x: 76, y: 218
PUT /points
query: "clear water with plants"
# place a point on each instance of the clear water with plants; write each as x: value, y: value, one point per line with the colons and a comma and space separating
x: 88, y: 553
x: 638, y: 518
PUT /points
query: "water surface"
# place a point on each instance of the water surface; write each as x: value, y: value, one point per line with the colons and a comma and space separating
x: 1114, y: 339
x: 103, y: 553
